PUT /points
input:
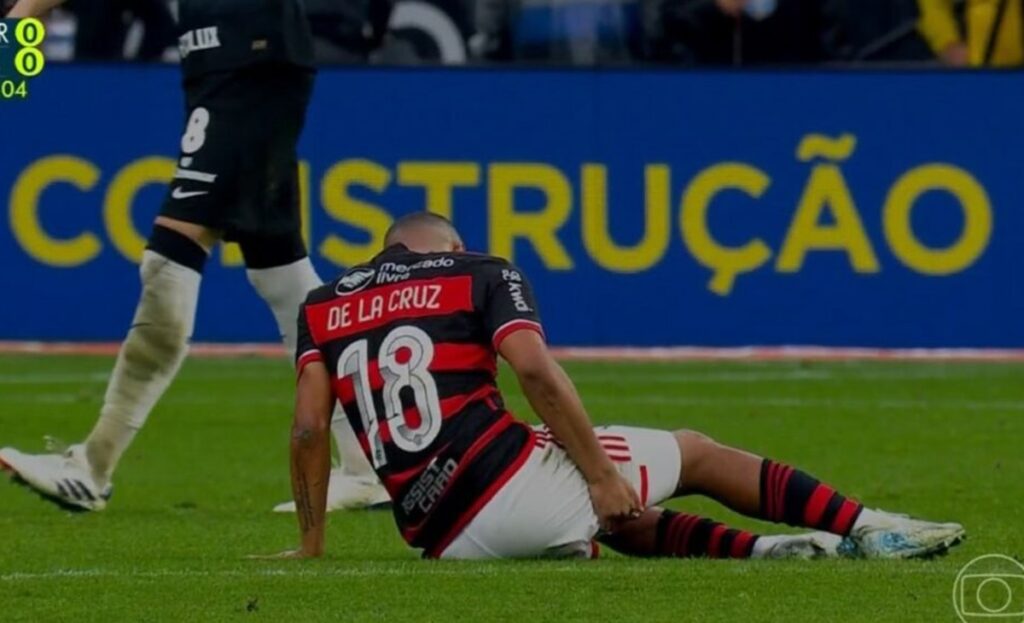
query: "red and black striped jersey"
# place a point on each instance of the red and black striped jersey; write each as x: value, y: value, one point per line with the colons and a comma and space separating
x: 411, y: 343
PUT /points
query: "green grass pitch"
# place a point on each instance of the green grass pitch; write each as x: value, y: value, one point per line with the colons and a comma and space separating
x: 192, y: 499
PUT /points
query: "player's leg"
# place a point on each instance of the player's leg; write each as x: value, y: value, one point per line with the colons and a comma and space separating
x: 669, y: 534
x: 150, y: 356
x: 762, y: 488
x: 545, y: 510
x: 157, y: 342
x: 193, y: 217
x: 652, y: 461
x: 267, y: 226
x: 280, y: 271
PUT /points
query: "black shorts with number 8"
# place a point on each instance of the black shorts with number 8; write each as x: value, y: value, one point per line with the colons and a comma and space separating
x: 238, y: 168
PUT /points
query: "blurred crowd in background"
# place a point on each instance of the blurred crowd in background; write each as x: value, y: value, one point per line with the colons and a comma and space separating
x: 958, y: 33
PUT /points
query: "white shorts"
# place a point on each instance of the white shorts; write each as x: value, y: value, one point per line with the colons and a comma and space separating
x: 545, y: 511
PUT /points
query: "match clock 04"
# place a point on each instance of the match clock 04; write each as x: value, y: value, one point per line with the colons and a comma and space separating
x: 21, y: 56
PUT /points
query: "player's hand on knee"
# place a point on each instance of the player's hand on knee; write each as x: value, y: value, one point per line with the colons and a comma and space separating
x: 615, y: 502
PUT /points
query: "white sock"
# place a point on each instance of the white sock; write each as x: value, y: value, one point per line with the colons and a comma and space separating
x: 285, y: 288
x: 353, y: 461
x: 152, y: 353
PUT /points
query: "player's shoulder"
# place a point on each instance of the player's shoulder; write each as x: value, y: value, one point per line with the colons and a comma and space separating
x: 487, y: 264
x: 397, y: 266
x: 397, y: 263
x: 482, y: 259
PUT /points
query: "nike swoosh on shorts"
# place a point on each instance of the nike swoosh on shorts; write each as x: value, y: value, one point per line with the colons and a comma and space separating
x: 179, y: 193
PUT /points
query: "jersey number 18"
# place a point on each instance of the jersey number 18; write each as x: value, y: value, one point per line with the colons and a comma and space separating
x: 413, y: 371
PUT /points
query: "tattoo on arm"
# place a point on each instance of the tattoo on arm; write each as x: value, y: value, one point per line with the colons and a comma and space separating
x: 304, y: 505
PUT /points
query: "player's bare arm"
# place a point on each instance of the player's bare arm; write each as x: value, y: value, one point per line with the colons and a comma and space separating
x: 554, y: 398
x: 32, y: 8
x: 311, y: 455
x: 311, y: 458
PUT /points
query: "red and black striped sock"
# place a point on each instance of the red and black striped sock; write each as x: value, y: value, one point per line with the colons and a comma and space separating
x: 790, y: 496
x: 688, y: 536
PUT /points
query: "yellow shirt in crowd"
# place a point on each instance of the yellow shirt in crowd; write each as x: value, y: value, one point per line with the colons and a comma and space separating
x: 939, y: 27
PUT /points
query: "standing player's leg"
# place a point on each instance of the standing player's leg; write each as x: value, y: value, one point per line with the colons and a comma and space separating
x: 193, y: 218
x: 157, y: 341
x: 150, y: 357
x: 764, y: 489
x: 280, y: 271
x: 268, y: 228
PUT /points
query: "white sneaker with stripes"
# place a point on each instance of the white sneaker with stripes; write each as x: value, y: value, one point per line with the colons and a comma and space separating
x: 64, y: 479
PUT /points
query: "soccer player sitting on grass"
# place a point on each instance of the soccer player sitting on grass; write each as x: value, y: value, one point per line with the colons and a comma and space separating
x: 408, y: 344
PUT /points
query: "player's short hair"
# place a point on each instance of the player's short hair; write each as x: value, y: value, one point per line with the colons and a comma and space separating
x: 417, y: 220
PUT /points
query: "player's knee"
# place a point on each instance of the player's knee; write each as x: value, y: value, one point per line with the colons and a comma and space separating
x: 199, y: 234
x: 694, y: 442
x: 260, y: 252
x: 173, y: 245
x: 279, y: 269
x: 163, y: 322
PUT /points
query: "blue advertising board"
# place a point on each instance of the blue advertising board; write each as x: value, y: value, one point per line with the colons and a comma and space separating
x: 647, y: 207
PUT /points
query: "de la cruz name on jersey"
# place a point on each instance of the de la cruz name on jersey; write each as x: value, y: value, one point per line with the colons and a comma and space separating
x: 411, y: 343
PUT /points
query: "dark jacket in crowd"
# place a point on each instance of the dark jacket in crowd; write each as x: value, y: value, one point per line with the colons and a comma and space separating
x: 348, y: 30
x: 883, y: 30
x: 698, y: 32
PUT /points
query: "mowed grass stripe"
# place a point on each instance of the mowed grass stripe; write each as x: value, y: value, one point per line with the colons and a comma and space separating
x: 478, y: 569
x: 771, y: 402
x: 583, y: 373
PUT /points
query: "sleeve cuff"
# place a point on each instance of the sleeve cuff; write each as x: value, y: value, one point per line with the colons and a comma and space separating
x: 511, y: 327
x: 305, y: 359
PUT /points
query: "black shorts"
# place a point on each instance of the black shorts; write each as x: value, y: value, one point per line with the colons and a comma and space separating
x: 238, y: 168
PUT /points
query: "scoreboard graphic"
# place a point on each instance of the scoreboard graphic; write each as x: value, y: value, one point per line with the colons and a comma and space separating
x: 21, y: 56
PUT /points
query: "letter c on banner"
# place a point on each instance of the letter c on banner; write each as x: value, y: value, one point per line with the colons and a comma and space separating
x: 973, y: 200
x: 117, y: 208
x: 725, y: 262
x: 24, y: 215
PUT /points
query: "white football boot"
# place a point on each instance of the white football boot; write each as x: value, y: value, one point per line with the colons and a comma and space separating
x: 64, y: 479
x: 348, y: 492
x: 891, y: 536
x: 811, y: 545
